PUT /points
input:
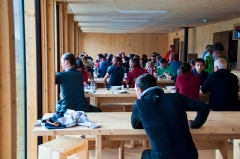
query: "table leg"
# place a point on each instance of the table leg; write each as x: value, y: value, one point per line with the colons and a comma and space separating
x: 236, y: 149
x: 94, y: 101
x: 222, y: 153
x: 98, y: 150
x: 121, y: 150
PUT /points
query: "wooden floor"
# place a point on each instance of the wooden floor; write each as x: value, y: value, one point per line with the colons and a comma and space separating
x: 135, y: 153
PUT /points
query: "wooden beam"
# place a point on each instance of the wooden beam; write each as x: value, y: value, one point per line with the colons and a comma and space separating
x: 76, y: 38
x: 65, y: 27
x: 8, y: 143
x: 79, y: 40
x: 31, y: 75
x: 71, y: 33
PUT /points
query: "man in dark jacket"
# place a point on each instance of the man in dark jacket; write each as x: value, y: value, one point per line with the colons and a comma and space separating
x: 165, y: 121
x: 223, y: 87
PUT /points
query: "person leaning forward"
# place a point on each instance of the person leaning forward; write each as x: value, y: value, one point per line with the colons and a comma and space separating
x: 165, y: 121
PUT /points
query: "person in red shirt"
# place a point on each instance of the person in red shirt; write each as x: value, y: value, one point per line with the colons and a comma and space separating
x: 84, y: 73
x: 136, y: 71
x: 171, y: 51
x: 187, y: 83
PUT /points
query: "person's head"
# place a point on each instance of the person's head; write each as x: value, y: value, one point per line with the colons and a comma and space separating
x: 171, y: 48
x: 171, y: 58
x: 154, y: 54
x: 220, y: 64
x: 131, y: 56
x: 163, y: 62
x: 99, y: 57
x: 185, y: 67
x: 218, y: 49
x: 116, y: 61
x: 125, y: 59
x: 158, y: 57
x: 144, y: 82
x: 103, y: 58
x: 176, y: 57
x: 149, y: 64
x: 119, y: 55
x: 144, y: 56
x: 199, y: 65
x: 137, y: 57
x: 134, y: 62
x: 68, y: 61
x: 105, y: 54
x: 142, y: 61
x: 109, y: 57
x: 123, y: 54
x: 153, y: 59
x: 209, y: 48
x: 79, y: 63
x: 192, y: 63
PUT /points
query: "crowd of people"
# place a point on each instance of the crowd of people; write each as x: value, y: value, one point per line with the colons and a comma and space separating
x: 211, y: 74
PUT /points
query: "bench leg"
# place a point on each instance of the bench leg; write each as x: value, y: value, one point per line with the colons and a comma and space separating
x: 44, y: 152
x: 98, y: 145
x: 236, y: 149
x: 80, y: 153
x: 222, y: 153
x: 121, y: 150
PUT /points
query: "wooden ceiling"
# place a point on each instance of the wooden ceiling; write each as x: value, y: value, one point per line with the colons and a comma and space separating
x: 97, y: 15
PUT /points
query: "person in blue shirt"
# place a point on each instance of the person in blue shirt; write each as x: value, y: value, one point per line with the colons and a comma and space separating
x: 104, y: 66
x: 71, y: 84
x: 115, y: 72
x: 209, y: 51
x: 199, y: 70
x: 175, y: 64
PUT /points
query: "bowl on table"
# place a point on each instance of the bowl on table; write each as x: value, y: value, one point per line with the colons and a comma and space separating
x: 116, y: 87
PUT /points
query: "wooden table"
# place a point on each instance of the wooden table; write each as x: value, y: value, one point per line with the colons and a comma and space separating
x: 161, y: 82
x: 214, y: 134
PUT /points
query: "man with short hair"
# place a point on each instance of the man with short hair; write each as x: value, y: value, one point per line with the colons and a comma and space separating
x: 223, y: 87
x: 125, y: 64
x: 165, y: 121
x: 165, y: 70
x: 175, y: 64
x: 104, y: 65
x: 170, y: 51
x: 116, y: 73
x: 199, y: 70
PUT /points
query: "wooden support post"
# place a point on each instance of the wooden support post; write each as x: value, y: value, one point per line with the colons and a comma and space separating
x: 31, y: 75
x: 98, y: 146
x: 80, y: 40
x: 71, y: 33
x: 8, y: 143
x: 65, y: 27
x: 76, y: 53
x: 222, y: 152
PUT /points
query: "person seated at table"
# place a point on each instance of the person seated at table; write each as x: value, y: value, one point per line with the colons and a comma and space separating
x: 71, y: 84
x: 136, y: 71
x: 104, y: 65
x: 158, y: 57
x: 199, y: 70
x: 142, y: 63
x: 187, y: 83
x: 223, y: 88
x: 175, y: 64
x: 145, y: 59
x: 125, y: 64
x: 165, y: 121
x: 164, y: 70
x: 218, y: 48
x: 170, y: 51
x: 191, y: 62
x: 115, y: 72
x: 85, y: 74
x: 150, y: 68
x: 87, y: 66
x: 123, y: 55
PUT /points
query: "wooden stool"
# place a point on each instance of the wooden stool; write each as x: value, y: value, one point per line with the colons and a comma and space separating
x: 64, y: 147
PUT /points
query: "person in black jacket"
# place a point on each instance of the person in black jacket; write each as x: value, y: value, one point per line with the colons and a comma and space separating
x: 223, y: 87
x: 165, y: 121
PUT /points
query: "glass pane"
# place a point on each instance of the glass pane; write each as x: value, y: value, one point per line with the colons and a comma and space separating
x: 19, y: 55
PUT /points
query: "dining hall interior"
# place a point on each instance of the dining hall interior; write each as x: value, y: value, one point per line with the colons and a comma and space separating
x: 34, y: 34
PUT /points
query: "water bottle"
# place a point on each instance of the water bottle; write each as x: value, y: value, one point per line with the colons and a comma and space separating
x: 95, y: 72
x: 150, y: 70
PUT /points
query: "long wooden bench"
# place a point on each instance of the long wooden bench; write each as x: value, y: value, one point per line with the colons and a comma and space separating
x: 63, y: 147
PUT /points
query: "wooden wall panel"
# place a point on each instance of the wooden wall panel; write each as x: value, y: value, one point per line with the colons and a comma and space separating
x: 79, y: 40
x: 94, y: 44
x: 70, y: 32
x: 8, y: 133
x: 65, y: 27
x: 76, y: 38
x: 31, y: 75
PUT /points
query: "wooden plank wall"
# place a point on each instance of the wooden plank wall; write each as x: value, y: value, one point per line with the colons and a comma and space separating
x: 8, y: 132
x: 95, y: 43
x: 71, y: 33
x: 199, y: 37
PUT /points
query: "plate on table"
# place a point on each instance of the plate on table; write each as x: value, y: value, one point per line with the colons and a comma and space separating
x: 116, y: 87
x: 119, y: 91
x: 171, y: 89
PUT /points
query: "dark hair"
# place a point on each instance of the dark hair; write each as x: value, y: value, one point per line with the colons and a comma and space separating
x: 135, y: 61
x: 71, y: 58
x: 131, y: 55
x: 79, y: 63
x: 154, y: 54
x: 144, y: 56
x: 100, y: 56
x: 118, y: 59
x: 185, y: 67
x: 218, y: 47
x: 163, y: 60
x: 192, y: 62
x: 145, y: 81
x: 136, y: 56
x: 176, y: 57
x: 198, y: 60
x: 207, y: 46
x: 109, y: 57
x: 171, y: 45
x: 126, y: 58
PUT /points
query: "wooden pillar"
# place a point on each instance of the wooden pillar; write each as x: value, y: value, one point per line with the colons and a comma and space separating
x: 8, y: 147
x: 65, y: 27
x: 60, y: 28
x: 76, y: 39
x: 71, y: 33
x: 80, y: 40
x: 31, y: 75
